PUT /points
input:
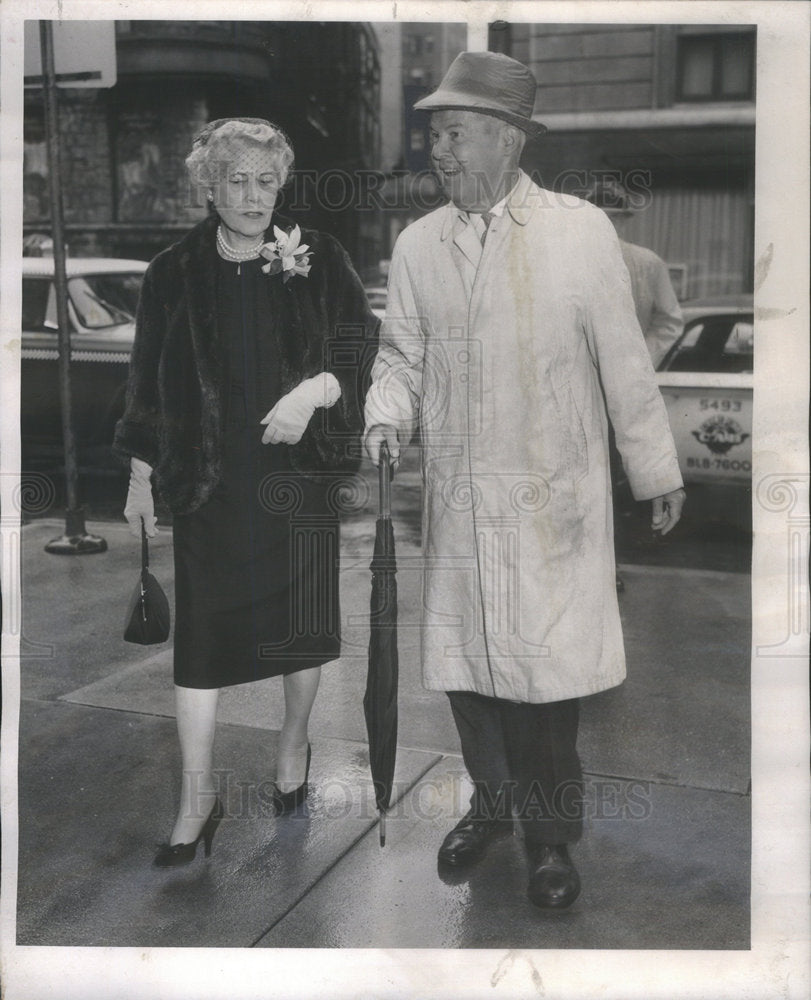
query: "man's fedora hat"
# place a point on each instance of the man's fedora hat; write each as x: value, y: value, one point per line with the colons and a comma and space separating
x: 608, y: 194
x: 491, y: 84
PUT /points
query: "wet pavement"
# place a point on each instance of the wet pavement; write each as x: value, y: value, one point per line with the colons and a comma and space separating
x: 665, y: 856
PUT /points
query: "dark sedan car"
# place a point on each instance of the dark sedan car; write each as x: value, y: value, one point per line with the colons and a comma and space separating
x: 102, y: 299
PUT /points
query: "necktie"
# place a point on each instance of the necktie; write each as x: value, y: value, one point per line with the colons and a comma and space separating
x: 487, y: 218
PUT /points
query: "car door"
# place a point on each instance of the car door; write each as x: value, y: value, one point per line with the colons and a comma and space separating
x: 707, y: 381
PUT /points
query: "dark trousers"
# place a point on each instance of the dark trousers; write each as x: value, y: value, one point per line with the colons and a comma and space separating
x: 522, y: 759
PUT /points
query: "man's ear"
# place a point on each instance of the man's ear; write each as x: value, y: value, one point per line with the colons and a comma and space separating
x: 512, y: 140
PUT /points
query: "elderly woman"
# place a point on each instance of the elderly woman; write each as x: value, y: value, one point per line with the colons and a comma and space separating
x: 241, y: 406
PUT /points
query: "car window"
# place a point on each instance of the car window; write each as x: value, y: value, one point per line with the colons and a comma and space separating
x: 39, y: 305
x: 714, y: 344
x: 741, y: 340
x: 105, y: 299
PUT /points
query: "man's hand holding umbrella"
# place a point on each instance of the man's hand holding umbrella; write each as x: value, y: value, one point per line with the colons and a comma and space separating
x: 375, y: 436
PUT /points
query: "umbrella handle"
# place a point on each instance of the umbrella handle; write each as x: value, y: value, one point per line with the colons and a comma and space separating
x: 144, y: 554
x: 385, y: 473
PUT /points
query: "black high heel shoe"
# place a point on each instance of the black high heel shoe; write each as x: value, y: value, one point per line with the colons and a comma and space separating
x: 285, y: 802
x: 174, y: 855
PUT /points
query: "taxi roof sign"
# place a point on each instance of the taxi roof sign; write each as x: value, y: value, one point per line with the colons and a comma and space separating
x: 84, y: 54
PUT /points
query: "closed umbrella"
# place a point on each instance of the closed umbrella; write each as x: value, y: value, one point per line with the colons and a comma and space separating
x: 380, y: 700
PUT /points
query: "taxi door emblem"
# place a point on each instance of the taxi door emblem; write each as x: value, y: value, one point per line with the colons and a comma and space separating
x: 719, y: 434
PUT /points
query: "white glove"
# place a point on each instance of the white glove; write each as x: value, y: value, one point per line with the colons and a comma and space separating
x: 288, y: 419
x: 139, y: 500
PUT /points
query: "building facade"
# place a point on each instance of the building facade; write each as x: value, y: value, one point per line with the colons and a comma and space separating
x: 667, y: 109
x: 414, y: 58
x: 427, y: 51
x: 125, y: 188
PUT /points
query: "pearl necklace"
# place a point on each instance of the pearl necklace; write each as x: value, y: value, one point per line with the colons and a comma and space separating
x: 237, y: 256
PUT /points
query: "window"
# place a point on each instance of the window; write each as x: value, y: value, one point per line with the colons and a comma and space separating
x: 678, y: 279
x: 717, y: 67
x: 102, y: 300
x: 413, y: 45
x: 714, y: 344
x: 417, y: 140
x: 39, y: 305
x: 36, y: 199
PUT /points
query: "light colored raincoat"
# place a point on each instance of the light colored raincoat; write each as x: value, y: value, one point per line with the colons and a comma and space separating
x: 508, y: 363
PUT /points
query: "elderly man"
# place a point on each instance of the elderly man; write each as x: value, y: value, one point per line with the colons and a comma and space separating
x: 509, y: 330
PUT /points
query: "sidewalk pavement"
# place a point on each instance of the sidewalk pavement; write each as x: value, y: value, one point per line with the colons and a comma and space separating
x: 664, y: 860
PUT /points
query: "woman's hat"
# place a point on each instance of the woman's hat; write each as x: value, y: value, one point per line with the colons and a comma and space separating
x: 491, y: 84
x: 204, y: 135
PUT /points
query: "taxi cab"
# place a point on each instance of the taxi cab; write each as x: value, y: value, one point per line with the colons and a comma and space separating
x: 706, y: 379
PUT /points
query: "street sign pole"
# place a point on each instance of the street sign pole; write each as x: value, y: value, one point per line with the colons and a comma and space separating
x: 75, y: 540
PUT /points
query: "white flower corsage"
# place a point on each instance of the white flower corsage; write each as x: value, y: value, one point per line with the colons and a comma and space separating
x: 285, y: 256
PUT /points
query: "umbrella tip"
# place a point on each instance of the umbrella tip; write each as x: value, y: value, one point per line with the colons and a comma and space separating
x: 382, y: 829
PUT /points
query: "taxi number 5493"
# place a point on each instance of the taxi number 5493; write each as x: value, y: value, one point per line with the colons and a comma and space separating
x: 724, y: 405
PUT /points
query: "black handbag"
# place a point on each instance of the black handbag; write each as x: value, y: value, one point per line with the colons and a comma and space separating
x: 148, y: 612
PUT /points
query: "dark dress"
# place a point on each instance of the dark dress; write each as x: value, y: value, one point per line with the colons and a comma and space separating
x: 256, y: 567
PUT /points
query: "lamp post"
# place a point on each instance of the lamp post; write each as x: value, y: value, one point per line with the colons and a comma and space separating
x: 75, y: 540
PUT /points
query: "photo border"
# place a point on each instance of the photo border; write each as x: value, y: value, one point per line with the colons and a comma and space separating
x: 777, y: 962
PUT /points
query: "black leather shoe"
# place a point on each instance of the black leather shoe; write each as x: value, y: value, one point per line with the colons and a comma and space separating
x: 286, y: 802
x: 554, y: 883
x: 467, y: 842
x: 175, y: 855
